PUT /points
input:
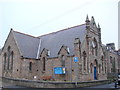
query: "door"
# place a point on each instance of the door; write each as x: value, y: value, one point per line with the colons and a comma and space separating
x: 95, y: 73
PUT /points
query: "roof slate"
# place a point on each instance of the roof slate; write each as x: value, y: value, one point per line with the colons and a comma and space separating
x: 54, y: 41
x: 29, y: 45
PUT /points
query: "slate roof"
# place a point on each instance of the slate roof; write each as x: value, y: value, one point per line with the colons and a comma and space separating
x: 54, y: 41
x: 29, y: 45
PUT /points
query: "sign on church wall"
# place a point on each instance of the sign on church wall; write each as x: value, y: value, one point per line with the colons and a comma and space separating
x: 59, y: 70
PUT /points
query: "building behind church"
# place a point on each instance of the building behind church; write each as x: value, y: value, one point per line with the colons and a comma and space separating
x: 66, y: 55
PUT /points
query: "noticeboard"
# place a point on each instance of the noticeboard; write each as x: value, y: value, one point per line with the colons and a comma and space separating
x: 59, y: 70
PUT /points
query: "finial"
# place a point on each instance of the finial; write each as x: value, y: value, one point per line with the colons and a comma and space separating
x: 87, y: 17
x: 11, y: 29
x: 92, y: 17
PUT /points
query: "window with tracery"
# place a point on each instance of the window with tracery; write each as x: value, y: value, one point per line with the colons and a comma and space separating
x: 8, y: 59
x: 94, y: 47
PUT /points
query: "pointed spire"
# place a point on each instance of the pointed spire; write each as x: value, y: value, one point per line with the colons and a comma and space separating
x: 93, y: 20
x: 87, y: 22
x: 87, y: 18
x: 92, y: 17
x: 98, y: 25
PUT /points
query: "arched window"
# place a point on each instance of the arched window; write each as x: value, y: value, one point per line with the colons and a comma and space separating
x: 91, y: 68
x: 105, y: 69
x: 95, y: 63
x: 113, y: 65
x: 110, y: 59
x: 8, y: 61
x: 63, y: 61
x: 94, y: 47
x: 44, y: 63
x: 95, y: 42
x: 84, y: 60
x: 99, y: 68
x: 12, y: 55
x: 5, y: 61
x: 30, y: 66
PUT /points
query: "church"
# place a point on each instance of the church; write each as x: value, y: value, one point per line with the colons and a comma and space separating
x: 74, y: 53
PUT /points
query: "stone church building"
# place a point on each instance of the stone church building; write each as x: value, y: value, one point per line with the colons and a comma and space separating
x: 66, y: 55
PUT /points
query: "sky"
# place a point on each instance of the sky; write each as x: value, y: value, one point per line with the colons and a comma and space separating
x: 39, y: 17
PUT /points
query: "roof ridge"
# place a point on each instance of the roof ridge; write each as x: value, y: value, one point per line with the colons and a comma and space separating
x: 25, y: 34
x: 61, y: 30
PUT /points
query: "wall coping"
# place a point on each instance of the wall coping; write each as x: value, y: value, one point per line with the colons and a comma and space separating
x: 54, y: 82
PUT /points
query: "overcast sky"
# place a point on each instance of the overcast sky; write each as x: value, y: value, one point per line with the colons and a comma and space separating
x: 38, y: 17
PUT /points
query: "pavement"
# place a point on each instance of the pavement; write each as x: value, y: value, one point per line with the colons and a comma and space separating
x: 111, y: 85
x: 8, y: 85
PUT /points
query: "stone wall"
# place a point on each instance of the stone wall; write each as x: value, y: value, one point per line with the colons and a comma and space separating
x: 12, y: 44
x: 53, y: 84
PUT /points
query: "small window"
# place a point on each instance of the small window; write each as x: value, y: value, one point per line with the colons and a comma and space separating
x: 84, y: 60
x: 99, y: 68
x: 63, y: 60
x: 44, y: 63
x: 8, y: 58
x: 12, y: 55
x: 91, y: 68
x: 5, y: 61
x: 110, y: 59
x: 30, y: 66
x: 102, y: 60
